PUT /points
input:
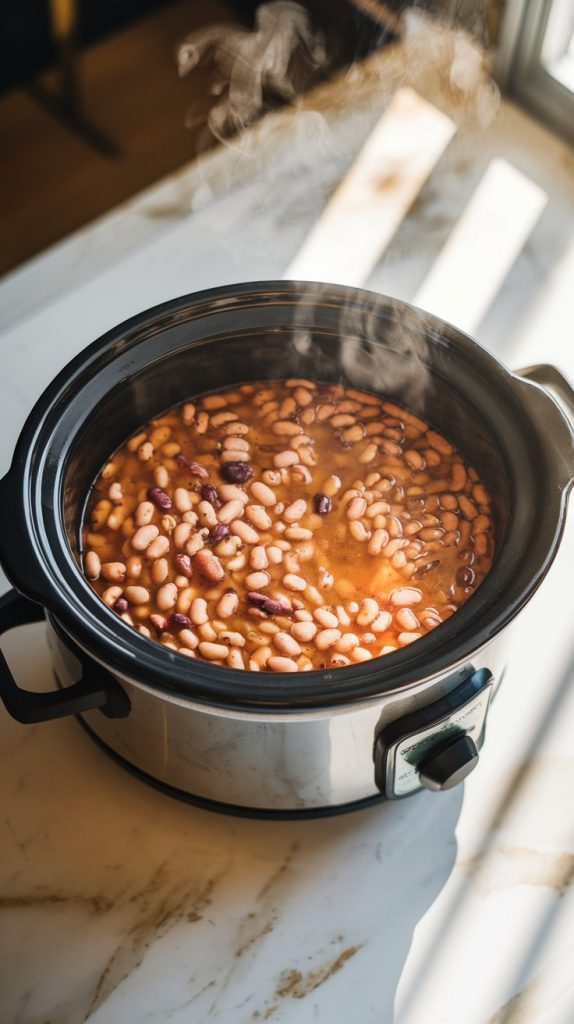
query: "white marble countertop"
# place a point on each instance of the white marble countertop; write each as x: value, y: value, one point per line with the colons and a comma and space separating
x: 118, y: 904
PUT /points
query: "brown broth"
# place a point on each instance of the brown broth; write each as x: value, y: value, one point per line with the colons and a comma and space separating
x: 379, y: 528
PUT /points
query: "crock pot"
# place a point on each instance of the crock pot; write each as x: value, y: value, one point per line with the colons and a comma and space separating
x: 266, y: 743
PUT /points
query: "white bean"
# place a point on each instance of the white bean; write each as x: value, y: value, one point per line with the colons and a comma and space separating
x: 245, y: 532
x: 287, y: 644
x: 286, y: 458
x: 181, y: 499
x: 263, y: 494
x: 279, y: 664
x: 382, y: 622
x: 144, y: 513
x: 303, y: 631
x: 229, y: 492
x: 326, y: 618
x: 166, y: 597
x: 143, y: 537
x: 227, y: 605
x: 295, y: 511
x: 257, y: 580
x: 327, y: 638
x: 356, y: 508
x: 212, y: 651
x: 230, y: 511
x: 405, y: 597
x: 368, y: 611
x: 294, y: 582
x: 361, y: 654
x: 258, y: 517
x: 407, y: 638
x: 92, y: 565
x: 198, y: 611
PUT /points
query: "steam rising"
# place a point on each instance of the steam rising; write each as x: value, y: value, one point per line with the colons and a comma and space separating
x: 274, y: 62
x: 298, y: 154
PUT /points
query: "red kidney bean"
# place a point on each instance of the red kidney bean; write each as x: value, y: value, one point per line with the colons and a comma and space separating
x: 465, y: 576
x: 209, y: 493
x: 218, y: 532
x: 192, y: 467
x: 160, y: 498
x: 208, y: 566
x: 121, y: 605
x: 269, y: 605
x: 178, y: 621
x: 236, y: 472
x: 322, y: 504
x: 184, y: 566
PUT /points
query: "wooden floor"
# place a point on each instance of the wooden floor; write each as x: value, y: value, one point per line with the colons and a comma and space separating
x: 52, y: 181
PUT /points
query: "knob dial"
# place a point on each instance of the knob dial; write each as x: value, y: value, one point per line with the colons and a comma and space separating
x: 448, y: 763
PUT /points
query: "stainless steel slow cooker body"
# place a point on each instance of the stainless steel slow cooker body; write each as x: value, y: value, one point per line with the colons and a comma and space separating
x: 318, y: 742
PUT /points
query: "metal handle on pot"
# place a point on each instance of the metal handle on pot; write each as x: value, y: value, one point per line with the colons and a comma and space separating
x: 550, y: 377
x: 555, y: 416
x: 96, y: 688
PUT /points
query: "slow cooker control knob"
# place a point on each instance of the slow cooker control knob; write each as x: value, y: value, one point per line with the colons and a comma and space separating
x: 449, y: 763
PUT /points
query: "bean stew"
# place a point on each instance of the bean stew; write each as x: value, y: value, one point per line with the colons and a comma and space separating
x: 287, y: 526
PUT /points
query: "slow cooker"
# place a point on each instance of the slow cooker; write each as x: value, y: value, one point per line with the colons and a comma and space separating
x: 265, y: 743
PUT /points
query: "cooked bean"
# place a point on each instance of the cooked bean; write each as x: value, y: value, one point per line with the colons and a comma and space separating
x: 235, y: 659
x: 358, y: 531
x: 361, y: 654
x: 295, y: 511
x: 408, y: 637
x: 114, y: 572
x: 230, y: 511
x: 158, y: 548
x: 257, y: 580
x: 159, y: 571
x: 326, y: 638
x: 303, y: 631
x: 263, y: 494
x: 213, y: 651
x: 143, y: 537
x: 287, y: 644
x: 208, y: 566
x: 467, y: 507
x: 356, y: 508
x: 245, y: 532
x: 280, y: 664
x: 406, y: 619
x: 368, y: 611
x: 405, y: 597
x: 198, y: 611
x: 326, y: 618
x: 258, y: 516
x: 92, y: 565
x: 431, y: 533
x: 404, y: 504
x: 294, y: 582
x: 166, y: 597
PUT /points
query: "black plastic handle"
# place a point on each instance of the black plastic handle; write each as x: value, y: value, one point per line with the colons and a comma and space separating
x: 96, y: 689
